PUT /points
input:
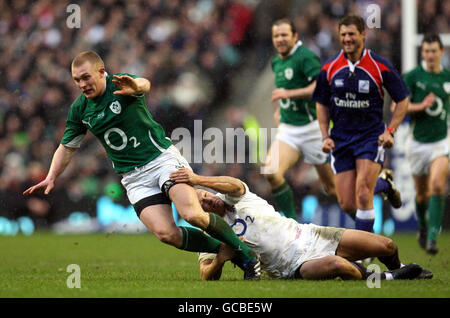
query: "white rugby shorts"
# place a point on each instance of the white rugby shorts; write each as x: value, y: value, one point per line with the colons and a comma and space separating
x: 147, y: 180
x: 306, y: 139
x: 421, y: 155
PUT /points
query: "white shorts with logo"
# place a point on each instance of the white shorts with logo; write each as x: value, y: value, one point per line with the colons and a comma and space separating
x: 307, y: 139
x: 147, y: 180
x: 421, y: 155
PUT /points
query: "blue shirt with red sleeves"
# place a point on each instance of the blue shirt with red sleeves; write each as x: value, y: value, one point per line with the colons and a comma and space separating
x: 354, y: 93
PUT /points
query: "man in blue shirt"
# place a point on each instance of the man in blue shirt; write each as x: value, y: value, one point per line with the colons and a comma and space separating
x: 349, y: 92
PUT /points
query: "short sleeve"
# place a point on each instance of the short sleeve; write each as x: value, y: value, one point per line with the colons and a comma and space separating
x: 75, y: 130
x: 322, y: 93
x: 311, y: 66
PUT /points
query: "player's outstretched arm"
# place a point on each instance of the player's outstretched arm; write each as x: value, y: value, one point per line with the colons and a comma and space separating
x: 222, y: 184
x: 60, y: 160
x: 131, y: 86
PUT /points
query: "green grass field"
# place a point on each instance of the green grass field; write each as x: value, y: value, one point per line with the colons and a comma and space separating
x: 140, y: 266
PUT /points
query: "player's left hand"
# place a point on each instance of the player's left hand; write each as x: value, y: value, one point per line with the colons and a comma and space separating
x: 386, y: 140
x: 184, y: 175
x: 127, y: 85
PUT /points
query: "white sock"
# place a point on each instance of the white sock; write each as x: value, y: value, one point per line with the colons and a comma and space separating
x: 389, y: 276
x: 365, y: 214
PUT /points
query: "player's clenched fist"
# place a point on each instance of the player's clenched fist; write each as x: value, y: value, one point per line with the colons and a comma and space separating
x: 327, y: 145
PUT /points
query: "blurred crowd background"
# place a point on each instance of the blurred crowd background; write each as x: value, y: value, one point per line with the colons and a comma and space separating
x: 191, y: 50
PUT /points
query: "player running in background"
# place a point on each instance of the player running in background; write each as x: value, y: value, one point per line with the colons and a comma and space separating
x: 289, y: 249
x: 428, y: 148
x: 295, y: 69
x: 349, y: 91
x: 113, y: 108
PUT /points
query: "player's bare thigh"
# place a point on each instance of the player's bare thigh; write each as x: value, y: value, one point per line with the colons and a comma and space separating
x: 280, y: 158
x: 159, y: 220
x: 355, y: 245
x: 329, y: 267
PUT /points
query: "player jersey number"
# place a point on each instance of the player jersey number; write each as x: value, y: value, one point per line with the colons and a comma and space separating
x: 124, y: 137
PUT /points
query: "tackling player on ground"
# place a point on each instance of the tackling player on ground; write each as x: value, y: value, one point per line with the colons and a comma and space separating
x: 113, y: 108
x: 288, y: 249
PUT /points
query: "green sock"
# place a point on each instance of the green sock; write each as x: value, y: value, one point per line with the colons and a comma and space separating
x: 436, y: 208
x: 284, y: 197
x: 195, y: 240
x: 421, y: 212
x: 220, y: 230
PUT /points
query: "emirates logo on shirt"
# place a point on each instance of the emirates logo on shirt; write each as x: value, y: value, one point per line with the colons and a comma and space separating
x: 115, y: 107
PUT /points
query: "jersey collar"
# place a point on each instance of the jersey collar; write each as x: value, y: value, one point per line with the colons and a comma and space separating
x: 296, y: 46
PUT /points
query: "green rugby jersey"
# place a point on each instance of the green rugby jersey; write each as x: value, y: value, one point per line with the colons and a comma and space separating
x: 297, y: 70
x: 429, y: 125
x: 123, y: 125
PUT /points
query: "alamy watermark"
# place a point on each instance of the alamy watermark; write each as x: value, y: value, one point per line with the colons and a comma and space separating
x: 374, y: 279
x: 236, y: 145
x: 74, y: 279
x: 73, y: 21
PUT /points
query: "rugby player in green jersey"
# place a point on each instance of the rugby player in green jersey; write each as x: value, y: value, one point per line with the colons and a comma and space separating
x: 113, y: 108
x: 428, y: 148
x: 295, y: 69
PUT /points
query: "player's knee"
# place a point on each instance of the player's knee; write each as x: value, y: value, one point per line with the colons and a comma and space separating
x: 389, y: 246
x: 195, y: 218
x: 347, y: 206
x: 273, y: 178
x: 437, y: 188
x: 337, y: 266
x: 364, y: 196
x: 330, y: 189
x: 421, y: 198
x: 167, y: 237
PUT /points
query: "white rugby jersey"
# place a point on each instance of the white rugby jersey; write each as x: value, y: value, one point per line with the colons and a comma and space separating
x: 272, y: 236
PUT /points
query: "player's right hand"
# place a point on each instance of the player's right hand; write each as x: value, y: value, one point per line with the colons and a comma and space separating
x: 48, y: 185
x: 328, y: 145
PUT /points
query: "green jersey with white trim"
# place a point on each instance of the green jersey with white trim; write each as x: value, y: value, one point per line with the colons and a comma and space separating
x: 123, y: 124
x: 295, y: 71
x: 431, y: 124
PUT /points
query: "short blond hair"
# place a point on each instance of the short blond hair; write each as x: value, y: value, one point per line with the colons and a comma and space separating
x: 88, y: 56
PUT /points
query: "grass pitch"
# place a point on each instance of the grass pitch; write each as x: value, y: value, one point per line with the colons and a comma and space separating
x: 135, y: 266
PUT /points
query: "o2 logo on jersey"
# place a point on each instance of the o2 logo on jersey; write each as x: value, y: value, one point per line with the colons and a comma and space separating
x: 240, y: 226
x: 115, y: 107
